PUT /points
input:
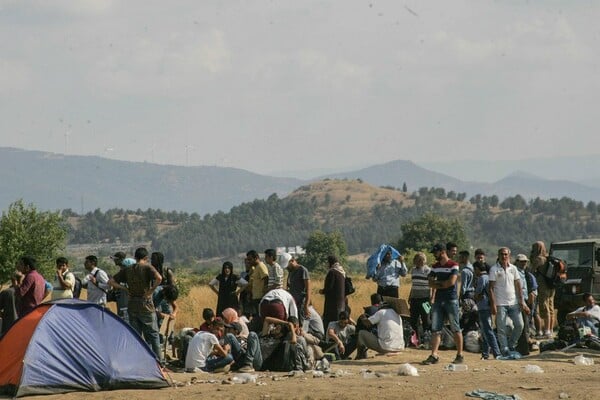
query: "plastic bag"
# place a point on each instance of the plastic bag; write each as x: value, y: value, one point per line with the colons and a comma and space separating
x: 408, y: 370
x: 582, y: 360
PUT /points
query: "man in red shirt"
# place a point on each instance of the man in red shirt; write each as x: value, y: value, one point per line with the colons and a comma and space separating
x: 30, y: 292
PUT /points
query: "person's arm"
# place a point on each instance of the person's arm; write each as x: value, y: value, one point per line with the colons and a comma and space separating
x: 492, y: 296
x: 365, y: 321
x: 332, y: 335
x: 213, y: 285
x: 157, y: 279
x: 271, y: 320
x: 402, y: 270
x: 219, y: 350
x: 307, y: 298
x: 65, y: 283
x: 112, y: 282
x: 451, y: 281
x: 519, y: 292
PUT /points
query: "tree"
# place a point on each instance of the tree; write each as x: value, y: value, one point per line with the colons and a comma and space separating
x: 25, y: 231
x: 319, y: 246
x: 424, y: 232
x: 404, y: 188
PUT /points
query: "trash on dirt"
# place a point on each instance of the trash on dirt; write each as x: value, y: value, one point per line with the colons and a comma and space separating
x: 563, y: 395
x: 486, y: 394
x: 318, y: 374
x: 582, y: 360
x: 408, y: 370
x: 244, y: 378
x: 456, y: 367
x: 533, y: 369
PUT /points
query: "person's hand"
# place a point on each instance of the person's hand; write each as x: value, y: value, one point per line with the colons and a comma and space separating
x: 493, y: 310
x: 306, y: 312
x: 341, y: 348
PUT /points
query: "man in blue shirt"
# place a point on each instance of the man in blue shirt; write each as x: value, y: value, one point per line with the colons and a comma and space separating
x: 388, y: 275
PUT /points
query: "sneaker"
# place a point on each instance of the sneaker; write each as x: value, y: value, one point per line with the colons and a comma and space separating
x: 222, y: 369
x: 459, y: 359
x: 486, y: 357
x: 246, y: 368
x: 535, y: 346
x: 431, y: 360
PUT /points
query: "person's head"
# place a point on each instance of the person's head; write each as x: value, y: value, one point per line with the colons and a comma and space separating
x: 141, y: 254
x: 343, y: 319
x: 234, y: 328
x: 463, y: 257
x: 217, y: 327
x: 252, y: 258
x: 451, y: 250
x: 62, y: 264
x: 376, y: 299
x: 480, y: 255
x: 118, y: 258
x: 292, y: 264
x: 521, y: 261
x: 332, y: 260
x: 538, y: 249
x: 157, y: 259
x: 504, y: 256
x: 227, y: 268
x: 388, y: 256
x: 270, y: 256
x: 439, y: 252
x: 588, y: 300
x: 26, y: 264
x: 90, y: 262
x: 229, y: 315
x: 208, y: 314
x: 480, y: 268
x: 419, y: 259
x: 170, y: 293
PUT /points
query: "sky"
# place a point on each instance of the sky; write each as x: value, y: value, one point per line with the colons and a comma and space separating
x: 281, y: 87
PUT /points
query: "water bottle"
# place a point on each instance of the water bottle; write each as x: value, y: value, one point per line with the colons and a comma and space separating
x: 456, y: 367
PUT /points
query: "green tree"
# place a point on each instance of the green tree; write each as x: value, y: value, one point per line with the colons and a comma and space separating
x: 424, y: 232
x: 320, y: 245
x: 26, y: 231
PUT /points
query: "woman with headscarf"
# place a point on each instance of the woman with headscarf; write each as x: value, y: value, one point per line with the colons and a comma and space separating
x: 538, y: 259
x: 334, y: 291
x: 225, y: 285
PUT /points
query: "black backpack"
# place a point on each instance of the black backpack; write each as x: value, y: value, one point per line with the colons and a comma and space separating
x: 556, y: 271
x: 348, y: 286
x: 77, y: 287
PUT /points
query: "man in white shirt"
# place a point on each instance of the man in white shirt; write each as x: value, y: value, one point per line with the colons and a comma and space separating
x: 390, y: 334
x: 96, y: 281
x: 506, y: 300
x: 588, y: 315
x: 206, y: 354
x: 278, y: 303
x: 64, y: 280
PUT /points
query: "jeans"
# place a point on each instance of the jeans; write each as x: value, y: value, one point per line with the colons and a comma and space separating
x: 417, y: 311
x: 442, y: 309
x: 252, y: 356
x: 215, y: 362
x: 514, y: 313
x: 488, y: 337
x: 144, y: 323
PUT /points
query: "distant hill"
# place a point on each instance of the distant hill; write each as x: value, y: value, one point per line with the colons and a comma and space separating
x: 54, y: 181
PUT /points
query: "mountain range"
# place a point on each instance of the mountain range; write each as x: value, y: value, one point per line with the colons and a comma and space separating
x: 53, y: 181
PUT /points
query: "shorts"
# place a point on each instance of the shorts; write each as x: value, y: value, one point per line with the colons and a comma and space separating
x: 442, y: 309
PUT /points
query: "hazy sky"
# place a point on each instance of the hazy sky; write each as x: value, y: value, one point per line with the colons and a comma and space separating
x: 274, y: 86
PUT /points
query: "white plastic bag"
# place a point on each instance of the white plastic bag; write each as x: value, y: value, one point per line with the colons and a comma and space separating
x: 533, y: 369
x: 408, y: 370
x: 582, y: 360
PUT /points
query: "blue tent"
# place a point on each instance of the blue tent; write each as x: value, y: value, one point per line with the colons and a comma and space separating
x: 375, y: 259
x: 72, y: 345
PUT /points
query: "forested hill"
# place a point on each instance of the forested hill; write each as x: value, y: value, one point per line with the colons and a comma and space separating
x: 366, y: 215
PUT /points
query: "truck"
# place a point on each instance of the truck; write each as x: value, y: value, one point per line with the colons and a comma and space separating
x: 582, y: 257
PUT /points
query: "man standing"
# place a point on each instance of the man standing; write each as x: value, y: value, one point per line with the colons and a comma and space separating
x: 443, y: 279
x: 298, y: 284
x: 122, y: 298
x: 334, y: 291
x: 96, y: 281
x: 451, y: 250
x: 274, y: 270
x: 506, y: 300
x: 31, y: 291
x: 257, y: 280
x: 64, y: 280
x: 467, y: 275
x: 141, y: 279
x: 388, y: 275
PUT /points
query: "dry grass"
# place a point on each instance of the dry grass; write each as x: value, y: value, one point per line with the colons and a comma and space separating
x: 200, y: 297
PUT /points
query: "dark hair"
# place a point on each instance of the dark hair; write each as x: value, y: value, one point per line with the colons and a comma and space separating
x: 208, y: 314
x: 92, y: 259
x: 271, y: 253
x: 140, y: 253
x: 62, y: 260
x: 450, y: 245
x: 157, y: 260
x: 585, y: 296
x: 217, y: 323
x: 293, y: 320
x: 464, y: 253
x: 252, y: 254
x: 481, y: 266
x: 343, y: 315
x: 332, y: 259
x: 479, y: 252
x: 170, y: 292
x: 376, y: 299
x: 28, y: 261
x: 227, y: 264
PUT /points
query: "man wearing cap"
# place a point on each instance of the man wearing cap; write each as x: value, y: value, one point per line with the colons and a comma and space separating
x: 507, y: 300
x: 443, y: 278
x: 521, y: 264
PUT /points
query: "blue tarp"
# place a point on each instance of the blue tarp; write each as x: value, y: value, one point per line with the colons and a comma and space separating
x: 375, y: 259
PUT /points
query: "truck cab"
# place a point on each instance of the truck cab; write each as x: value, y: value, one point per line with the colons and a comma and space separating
x: 583, y: 273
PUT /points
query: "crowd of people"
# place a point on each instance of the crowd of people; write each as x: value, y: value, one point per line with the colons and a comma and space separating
x: 263, y: 322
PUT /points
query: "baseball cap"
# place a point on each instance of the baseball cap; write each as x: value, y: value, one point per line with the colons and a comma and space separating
x: 521, y: 257
x: 438, y: 247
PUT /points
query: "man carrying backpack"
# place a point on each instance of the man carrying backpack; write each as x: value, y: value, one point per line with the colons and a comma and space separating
x: 96, y: 281
x: 64, y: 280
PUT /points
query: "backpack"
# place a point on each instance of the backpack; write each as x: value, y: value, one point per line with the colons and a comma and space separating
x: 348, y: 286
x: 556, y: 271
x: 77, y: 287
x: 111, y: 293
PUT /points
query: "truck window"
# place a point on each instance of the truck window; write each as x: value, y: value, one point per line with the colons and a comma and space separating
x: 574, y: 256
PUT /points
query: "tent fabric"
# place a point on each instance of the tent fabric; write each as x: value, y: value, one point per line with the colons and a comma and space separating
x: 375, y: 259
x: 72, y: 345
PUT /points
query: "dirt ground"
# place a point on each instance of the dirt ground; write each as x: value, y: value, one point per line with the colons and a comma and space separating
x: 377, y: 376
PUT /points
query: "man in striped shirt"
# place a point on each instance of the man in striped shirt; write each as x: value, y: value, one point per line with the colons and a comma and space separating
x: 443, y: 279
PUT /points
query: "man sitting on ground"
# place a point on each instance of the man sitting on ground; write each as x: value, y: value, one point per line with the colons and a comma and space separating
x: 390, y: 334
x: 342, y: 334
x: 588, y: 315
x: 206, y: 354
